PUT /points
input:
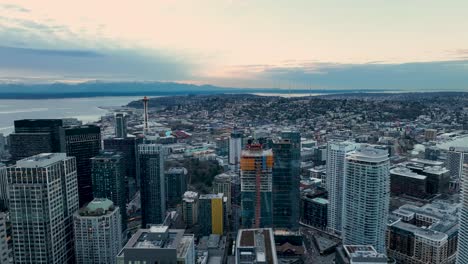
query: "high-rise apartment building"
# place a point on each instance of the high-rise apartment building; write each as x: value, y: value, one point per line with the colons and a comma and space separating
x: 176, y: 185
x: 108, y: 174
x: 98, y: 234
x: 235, y: 149
x: 44, y: 188
x: 256, y: 186
x: 83, y: 143
x: 336, y: 154
x: 158, y: 244
x: 211, y: 214
x: 366, y: 197
x: 222, y: 183
x: 120, y: 125
x: 152, y: 183
x: 286, y: 179
x: 463, y: 232
x: 190, y: 208
x: 456, y: 157
x: 35, y: 136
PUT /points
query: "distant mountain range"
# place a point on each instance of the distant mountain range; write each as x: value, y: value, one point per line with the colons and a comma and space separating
x: 97, y: 89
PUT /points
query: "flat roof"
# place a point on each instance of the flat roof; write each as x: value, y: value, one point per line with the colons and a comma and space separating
x: 41, y: 160
x: 320, y: 200
x: 405, y: 172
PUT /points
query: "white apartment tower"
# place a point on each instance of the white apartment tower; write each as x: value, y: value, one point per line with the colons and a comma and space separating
x: 43, y: 194
x: 98, y: 232
x: 366, y: 197
x: 336, y: 153
x: 235, y: 149
x: 456, y: 157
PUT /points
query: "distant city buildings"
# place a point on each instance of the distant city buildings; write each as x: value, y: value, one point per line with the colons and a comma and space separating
x: 152, y: 184
x: 366, y: 197
x: 98, y: 233
x: 256, y: 186
x: 336, y: 154
x: 158, y: 244
x: 43, y: 187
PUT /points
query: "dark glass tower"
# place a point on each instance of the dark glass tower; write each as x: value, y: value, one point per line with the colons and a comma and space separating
x: 108, y: 174
x: 286, y: 179
x: 176, y: 185
x: 152, y: 186
x: 120, y: 125
x: 35, y: 136
x: 127, y: 148
x: 83, y: 143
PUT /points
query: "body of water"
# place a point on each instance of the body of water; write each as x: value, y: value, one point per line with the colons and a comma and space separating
x: 85, y: 109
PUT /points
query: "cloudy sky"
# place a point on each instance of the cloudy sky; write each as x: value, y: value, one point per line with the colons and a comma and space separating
x: 326, y: 44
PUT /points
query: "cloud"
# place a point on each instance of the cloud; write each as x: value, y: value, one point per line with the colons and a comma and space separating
x: 434, y: 76
x: 16, y: 8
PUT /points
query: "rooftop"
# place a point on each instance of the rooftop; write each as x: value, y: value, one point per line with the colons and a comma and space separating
x: 320, y: 200
x: 405, y: 172
x: 211, y: 196
x: 41, y: 160
x: 261, y: 240
x: 368, y: 153
x: 97, y: 207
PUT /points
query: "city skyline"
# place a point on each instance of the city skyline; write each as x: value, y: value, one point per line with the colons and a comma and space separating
x: 361, y: 45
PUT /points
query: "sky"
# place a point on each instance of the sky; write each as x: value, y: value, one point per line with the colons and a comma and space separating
x: 319, y: 44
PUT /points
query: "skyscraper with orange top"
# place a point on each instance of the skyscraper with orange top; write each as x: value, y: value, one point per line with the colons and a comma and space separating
x: 256, y: 186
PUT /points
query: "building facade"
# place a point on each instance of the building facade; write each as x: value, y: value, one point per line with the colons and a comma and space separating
x: 256, y: 186
x: 211, y: 214
x: 152, y: 184
x: 98, y: 233
x: 4, y: 250
x: 463, y: 232
x: 190, y: 208
x: 3, y: 188
x: 83, y: 143
x: 108, y: 174
x: 235, y: 149
x: 336, y: 154
x: 43, y: 187
x: 120, y: 125
x: 366, y: 197
x: 176, y: 185
x: 286, y: 179
x: 456, y: 157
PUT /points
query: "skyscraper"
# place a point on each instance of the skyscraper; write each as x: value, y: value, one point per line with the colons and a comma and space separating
x: 83, y: 143
x: 98, y: 234
x: 336, y: 153
x: 108, y: 174
x: 43, y: 188
x: 286, y: 179
x: 120, y: 125
x: 211, y: 214
x: 235, y: 149
x: 456, y: 157
x: 366, y: 197
x: 128, y: 149
x: 256, y: 186
x: 190, y: 208
x: 462, y: 256
x: 35, y: 136
x: 176, y: 185
x: 3, y: 188
x: 152, y: 187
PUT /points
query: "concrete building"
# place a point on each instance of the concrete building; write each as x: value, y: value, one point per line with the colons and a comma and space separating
x: 98, y: 232
x: 176, y: 185
x: 456, y: 157
x: 83, y: 143
x: 211, y: 214
x: 4, y: 250
x: 366, y: 197
x: 404, y: 181
x: 314, y: 210
x: 222, y: 183
x: 430, y: 134
x: 256, y: 246
x: 426, y: 234
x: 108, y: 174
x: 336, y: 153
x: 120, y: 125
x: 286, y: 178
x: 152, y: 184
x: 463, y: 233
x: 352, y: 254
x: 45, y: 188
x: 158, y: 244
x: 256, y: 186
x: 190, y: 208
